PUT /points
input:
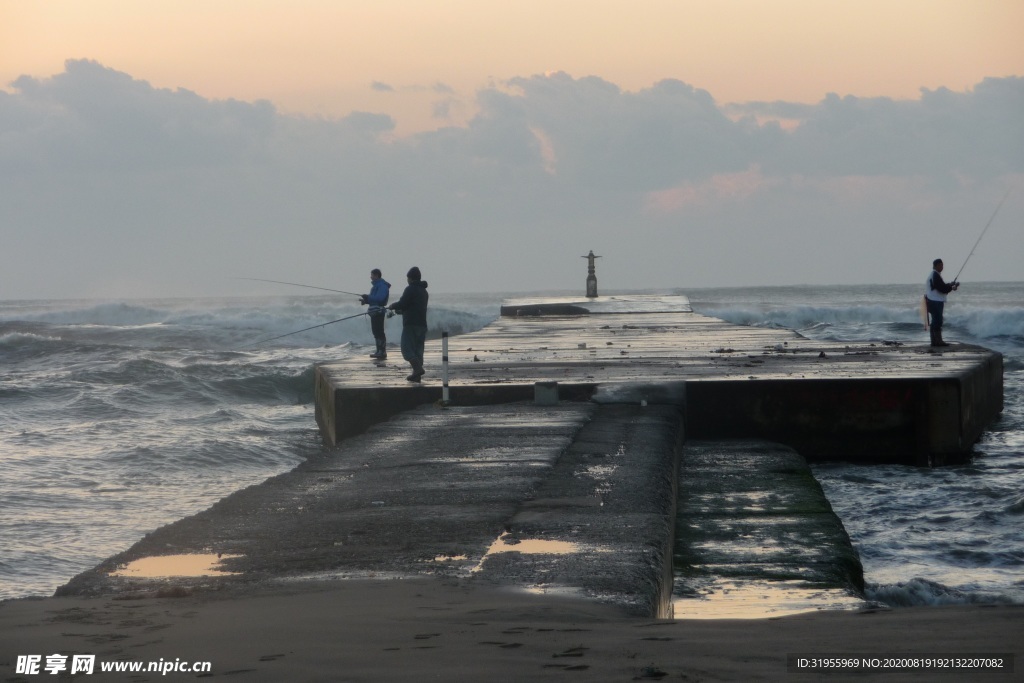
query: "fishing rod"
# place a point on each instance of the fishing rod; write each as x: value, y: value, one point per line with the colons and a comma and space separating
x: 296, y: 284
x: 305, y: 329
x: 981, y: 235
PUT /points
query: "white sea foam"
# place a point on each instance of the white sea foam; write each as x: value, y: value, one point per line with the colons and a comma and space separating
x: 980, y: 322
x: 917, y: 592
x: 237, y: 322
x: 989, y: 322
x: 18, y: 337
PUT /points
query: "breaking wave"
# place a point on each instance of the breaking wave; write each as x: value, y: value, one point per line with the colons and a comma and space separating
x: 980, y: 323
x: 223, y: 323
x: 919, y: 592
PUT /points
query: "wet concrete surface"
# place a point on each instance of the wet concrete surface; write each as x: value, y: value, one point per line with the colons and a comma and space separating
x: 655, y: 340
x: 577, y: 498
x: 426, y: 492
x: 432, y: 492
x: 755, y: 531
x: 611, y: 495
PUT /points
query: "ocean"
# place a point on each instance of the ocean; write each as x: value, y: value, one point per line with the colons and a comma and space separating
x: 117, y: 417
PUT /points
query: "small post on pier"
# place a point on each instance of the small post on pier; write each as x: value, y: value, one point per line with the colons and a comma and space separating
x: 444, y: 368
x: 591, y: 275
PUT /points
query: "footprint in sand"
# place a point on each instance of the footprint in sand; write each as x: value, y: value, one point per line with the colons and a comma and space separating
x: 650, y: 672
x: 500, y: 643
x: 568, y: 667
x: 270, y: 658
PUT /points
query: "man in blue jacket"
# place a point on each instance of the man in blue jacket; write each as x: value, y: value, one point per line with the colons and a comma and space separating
x: 413, y: 308
x: 377, y: 299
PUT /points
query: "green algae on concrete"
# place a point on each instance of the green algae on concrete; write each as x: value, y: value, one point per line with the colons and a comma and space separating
x: 755, y: 535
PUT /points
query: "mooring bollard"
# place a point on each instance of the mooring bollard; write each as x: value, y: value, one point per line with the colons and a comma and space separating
x: 444, y: 368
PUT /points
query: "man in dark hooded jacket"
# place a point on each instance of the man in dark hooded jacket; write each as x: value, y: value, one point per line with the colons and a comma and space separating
x: 413, y: 309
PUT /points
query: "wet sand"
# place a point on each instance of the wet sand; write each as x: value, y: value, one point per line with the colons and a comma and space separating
x: 453, y: 630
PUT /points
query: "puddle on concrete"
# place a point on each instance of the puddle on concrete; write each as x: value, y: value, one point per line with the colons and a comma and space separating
x: 747, y: 545
x: 601, y: 474
x: 532, y: 546
x: 450, y: 558
x: 548, y: 589
x: 600, y: 471
x: 170, y: 566
x: 761, y: 600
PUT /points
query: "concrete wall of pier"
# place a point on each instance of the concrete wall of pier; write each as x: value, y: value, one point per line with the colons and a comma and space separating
x: 931, y: 421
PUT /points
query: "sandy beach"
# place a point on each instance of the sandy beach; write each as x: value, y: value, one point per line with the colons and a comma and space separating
x: 452, y: 630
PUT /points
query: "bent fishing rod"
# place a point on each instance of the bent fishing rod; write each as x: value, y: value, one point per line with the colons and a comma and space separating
x: 984, y: 230
x: 296, y: 284
x: 305, y: 329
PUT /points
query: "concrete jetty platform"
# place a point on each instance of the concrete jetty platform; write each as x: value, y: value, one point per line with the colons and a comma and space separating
x: 664, y: 480
x: 867, y: 402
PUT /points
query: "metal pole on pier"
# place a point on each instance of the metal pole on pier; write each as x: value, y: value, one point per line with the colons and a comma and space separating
x: 444, y: 368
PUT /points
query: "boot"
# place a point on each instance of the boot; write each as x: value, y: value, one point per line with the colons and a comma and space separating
x: 417, y: 372
x: 382, y: 350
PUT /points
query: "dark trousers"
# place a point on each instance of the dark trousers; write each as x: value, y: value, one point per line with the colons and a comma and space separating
x: 935, y: 313
x: 377, y: 326
x: 414, y: 339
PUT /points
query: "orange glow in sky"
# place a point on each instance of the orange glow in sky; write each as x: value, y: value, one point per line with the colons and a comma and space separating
x: 323, y: 57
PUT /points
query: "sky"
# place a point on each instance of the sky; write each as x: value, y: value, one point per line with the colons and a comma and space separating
x: 167, y: 148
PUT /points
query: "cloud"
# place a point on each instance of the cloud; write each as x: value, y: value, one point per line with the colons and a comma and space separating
x: 615, y: 141
x: 105, y: 179
x: 719, y: 187
x: 978, y: 133
x: 91, y: 118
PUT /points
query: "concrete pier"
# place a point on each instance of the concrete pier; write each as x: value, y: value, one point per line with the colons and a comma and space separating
x: 579, y: 499
x: 624, y: 449
x: 868, y: 402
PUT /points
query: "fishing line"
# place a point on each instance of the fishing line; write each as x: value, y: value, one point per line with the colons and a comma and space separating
x: 981, y: 235
x: 305, y: 329
x: 296, y: 284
